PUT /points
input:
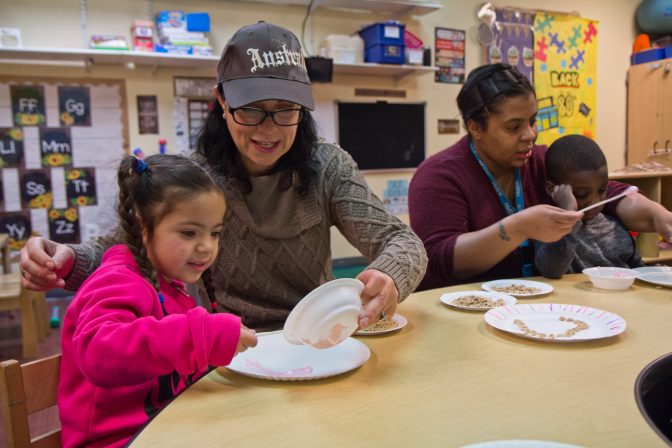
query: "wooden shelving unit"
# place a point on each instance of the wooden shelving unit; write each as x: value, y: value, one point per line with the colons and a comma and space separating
x: 656, y: 186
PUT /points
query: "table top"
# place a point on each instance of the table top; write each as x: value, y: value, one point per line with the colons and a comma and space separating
x: 446, y: 379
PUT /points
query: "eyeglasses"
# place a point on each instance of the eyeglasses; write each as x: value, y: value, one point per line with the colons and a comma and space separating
x: 251, y: 116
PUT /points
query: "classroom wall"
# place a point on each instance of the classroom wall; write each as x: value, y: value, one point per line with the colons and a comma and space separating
x: 56, y: 23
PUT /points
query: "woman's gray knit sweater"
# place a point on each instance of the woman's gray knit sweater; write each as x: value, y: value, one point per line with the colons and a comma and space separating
x: 275, y: 247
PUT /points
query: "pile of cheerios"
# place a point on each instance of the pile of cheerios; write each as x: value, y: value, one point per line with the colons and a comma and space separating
x: 387, y: 323
x: 477, y: 302
x: 579, y: 325
x: 517, y: 289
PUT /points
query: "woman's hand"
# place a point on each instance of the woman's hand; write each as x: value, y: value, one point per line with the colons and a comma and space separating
x: 44, y: 264
x: 641, y: 214
x: 544, y: 223
x: 662, y: 223
x: 379, y: 296
x: 248, y: 338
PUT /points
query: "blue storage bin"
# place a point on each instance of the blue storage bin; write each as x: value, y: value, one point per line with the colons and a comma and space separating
x: 668, y: 52
x: 390, y: 32
x: 198, y: 21
x: 385, y: 54
x: 645, y: 56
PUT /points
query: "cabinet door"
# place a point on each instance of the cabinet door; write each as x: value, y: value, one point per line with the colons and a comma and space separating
x: 648, y: 85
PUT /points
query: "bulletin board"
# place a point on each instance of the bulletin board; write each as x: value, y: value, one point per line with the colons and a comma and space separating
x: 61, y: 141
x: 565, y: 76
x: 558, y: 52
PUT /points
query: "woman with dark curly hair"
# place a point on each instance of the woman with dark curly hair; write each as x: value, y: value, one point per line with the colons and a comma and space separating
x: 285, y: 189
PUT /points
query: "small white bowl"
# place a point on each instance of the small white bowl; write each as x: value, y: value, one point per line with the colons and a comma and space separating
x: 327, y: 315
x: 611, y: 278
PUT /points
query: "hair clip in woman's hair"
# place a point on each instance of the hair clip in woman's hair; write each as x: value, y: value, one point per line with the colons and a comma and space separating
x: 139, y: 166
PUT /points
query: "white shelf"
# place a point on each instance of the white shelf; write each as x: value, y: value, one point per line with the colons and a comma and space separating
x: 66, y: 56
x: 70, y: 56
x: 395, y: 8
x: 371, y: 69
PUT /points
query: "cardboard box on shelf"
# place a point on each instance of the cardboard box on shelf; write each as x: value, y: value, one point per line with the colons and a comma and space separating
x: 142, y: 33
x: 108, y: 42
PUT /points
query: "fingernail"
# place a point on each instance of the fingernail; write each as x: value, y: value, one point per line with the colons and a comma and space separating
x: 364, y: 322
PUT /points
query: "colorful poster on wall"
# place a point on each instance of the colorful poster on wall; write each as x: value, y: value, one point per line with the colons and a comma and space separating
x: 449, y: 55
x: 36, y: 189
x: 565, y: 76
x: 18, y: 226
x: 55, y: 147
x: 513, y: 40
x: 11, y: 147
x: 28, y: 107
x: 74, y: 106
x: 395, y: 197
x: 80, y: 187
x: 64, y: 225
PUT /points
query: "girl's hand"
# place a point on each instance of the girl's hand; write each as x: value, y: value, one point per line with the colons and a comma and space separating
x: 44, y: 264
x: 564, y: 198
x: 544, y: 223
x: 379, y: 296
x: 248, y: 338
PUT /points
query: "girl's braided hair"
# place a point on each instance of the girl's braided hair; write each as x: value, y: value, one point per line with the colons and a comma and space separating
x: 149, y: 190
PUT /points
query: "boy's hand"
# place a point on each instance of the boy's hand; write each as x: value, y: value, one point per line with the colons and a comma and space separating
x: 564, y: 198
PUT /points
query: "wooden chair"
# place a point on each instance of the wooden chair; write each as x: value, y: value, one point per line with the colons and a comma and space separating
x: 33, y: 307
x: 25, y: 390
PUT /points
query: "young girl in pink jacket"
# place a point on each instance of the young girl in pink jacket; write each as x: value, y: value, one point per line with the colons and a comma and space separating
x: 133, y: 338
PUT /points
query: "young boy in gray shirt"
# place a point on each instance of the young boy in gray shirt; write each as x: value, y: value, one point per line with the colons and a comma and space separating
x: 577, y: 176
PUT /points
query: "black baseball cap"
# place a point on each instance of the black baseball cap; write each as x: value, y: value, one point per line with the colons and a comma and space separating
x: 261, y: 62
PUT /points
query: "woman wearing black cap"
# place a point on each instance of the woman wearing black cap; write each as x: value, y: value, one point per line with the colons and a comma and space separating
x: 477, y: 203
x: 285, y: 189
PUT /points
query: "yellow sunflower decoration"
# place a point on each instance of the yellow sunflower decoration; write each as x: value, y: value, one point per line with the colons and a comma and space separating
x: 82, y: 200
x: 74, y: 174
x: 54, y: 214
x: 67, y: 119
x: 71, y: 214
x: 16, y: 134
x: 55, y: 159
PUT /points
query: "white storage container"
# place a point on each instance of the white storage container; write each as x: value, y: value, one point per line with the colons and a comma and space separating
x: 344, y: 48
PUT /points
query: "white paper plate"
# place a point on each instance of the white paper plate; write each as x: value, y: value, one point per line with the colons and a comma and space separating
x: 543, y: 288
x: 400, y: 321
x: 653, y: 269
x: 450, y: 298
x: 657, y: 278
x: 657, y: 275
x: 520, y: 444
x: 545, y: 318
x: 276, y: 359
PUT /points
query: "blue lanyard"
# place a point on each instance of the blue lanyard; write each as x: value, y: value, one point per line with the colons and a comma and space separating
x: 508, y: 207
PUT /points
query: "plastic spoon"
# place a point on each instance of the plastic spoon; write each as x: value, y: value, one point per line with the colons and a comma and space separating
x: 629, y: 191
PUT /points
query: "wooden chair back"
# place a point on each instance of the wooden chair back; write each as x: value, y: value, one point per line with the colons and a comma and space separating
x: 25, y: 390
x: 33, y: 307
